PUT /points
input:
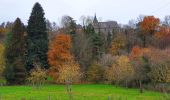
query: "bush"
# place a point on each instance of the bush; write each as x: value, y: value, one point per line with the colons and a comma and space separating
x: 37, y: 76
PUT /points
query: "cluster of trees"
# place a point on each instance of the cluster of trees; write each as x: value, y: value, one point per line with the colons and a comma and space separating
x: 133, y: 55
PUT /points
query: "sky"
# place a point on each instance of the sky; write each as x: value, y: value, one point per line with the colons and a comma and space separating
x: 118, y: 10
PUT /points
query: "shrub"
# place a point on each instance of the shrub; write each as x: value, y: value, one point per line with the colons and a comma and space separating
x: 37, y: 76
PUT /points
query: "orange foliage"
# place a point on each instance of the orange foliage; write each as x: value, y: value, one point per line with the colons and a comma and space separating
x: 150, y: 24
x: 59, y: 53
x: 138, y: 52
x: 164, y: 31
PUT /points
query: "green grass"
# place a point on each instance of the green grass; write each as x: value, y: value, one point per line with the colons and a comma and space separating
x: 80, y: 92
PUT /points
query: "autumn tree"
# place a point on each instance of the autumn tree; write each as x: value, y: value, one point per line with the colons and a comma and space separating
x: 37, y: 38
x: 140, y: 65
x: 37, y: 76
x: 69, y: 73
x: 95, y: 73
x: 15, y: 69
x: 159, y: 65
x: 162, y: 37
x: 149, y: 25
x: 118, y: 44
x: 2, y: 59
x: 59, y: 53
x: 3, y: 32
x: 63, y: 68
x: 120, y: 71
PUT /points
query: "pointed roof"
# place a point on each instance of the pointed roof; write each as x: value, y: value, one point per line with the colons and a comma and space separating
x: 95, y: 19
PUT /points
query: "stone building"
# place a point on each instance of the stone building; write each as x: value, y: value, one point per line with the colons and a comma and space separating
x: 104, y: 27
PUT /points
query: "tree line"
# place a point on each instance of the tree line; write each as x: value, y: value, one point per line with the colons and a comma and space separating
x: 133, y: 55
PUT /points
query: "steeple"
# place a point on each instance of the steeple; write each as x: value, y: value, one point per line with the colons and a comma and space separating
x: 95, y: 19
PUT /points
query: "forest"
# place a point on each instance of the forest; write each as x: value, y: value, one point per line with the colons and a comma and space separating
x: 135, y: 55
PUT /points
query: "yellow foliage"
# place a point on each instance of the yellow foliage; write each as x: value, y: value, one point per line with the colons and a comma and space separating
x: 168, y: 76
x: 69, y: 73
x: 2, y: 60
x: 118, y: 43
x: 120, y: 70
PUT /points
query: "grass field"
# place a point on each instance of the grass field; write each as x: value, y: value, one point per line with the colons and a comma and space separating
x: 80, y: 92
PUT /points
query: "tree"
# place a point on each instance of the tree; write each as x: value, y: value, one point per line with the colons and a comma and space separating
x: 95, y: 73
x: 140, y: 65
x: 159, y: 64
x: 37, y: 39
x: 82, y: 50
x: 118, y: 44
x: 149, y: 25
x: 162, y: 37
x: 58, y: 54
x: 14, y: 60
x: 138, y: 52
x: 97, y: 46
x: 63, y: 68
x: 2, y: 59
x: 37, y: 76
x: 68, y: 24
x: 69, y: 73
x: 3, y: 32
x: 166, y: 21
x: 121, y: 71
x: 96, y: 41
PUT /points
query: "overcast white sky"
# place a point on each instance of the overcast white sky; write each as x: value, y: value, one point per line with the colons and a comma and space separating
x: 118, y: 10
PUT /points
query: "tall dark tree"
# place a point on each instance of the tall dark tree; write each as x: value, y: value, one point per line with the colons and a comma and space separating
x: 96, y: 41
x: 15, y: 72
x: 37, y: 39
x: 97, y: 45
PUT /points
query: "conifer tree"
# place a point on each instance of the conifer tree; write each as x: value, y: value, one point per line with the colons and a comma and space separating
x: 15, y: 72
x: 37, y: 39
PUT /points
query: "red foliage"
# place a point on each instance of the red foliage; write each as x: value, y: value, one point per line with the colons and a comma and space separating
x: 150, y: 24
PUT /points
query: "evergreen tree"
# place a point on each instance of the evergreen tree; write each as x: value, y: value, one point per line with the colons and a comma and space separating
x: 96, y: 40
x: 15, y: 49
x: 37, y: 39
x: 97, y: 45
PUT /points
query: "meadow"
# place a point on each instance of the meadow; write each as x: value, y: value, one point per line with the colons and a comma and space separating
x: 80, y: 92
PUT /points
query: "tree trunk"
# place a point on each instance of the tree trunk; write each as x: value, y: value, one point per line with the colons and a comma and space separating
x: 141, y: 87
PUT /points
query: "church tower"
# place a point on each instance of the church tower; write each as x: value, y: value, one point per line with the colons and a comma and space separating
x: 95, y: 19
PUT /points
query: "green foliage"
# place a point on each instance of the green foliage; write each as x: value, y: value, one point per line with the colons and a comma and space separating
x: 89, y: 29
x: 8, y: 39
x: 97, y: 45
x: 37, y: 38
x: 14, y: 54
x: 2, y: 81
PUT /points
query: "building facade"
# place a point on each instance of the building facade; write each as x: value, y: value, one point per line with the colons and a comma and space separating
x: 104, y: 27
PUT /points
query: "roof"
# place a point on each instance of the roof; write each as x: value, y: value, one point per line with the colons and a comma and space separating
x: 108, y: 24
